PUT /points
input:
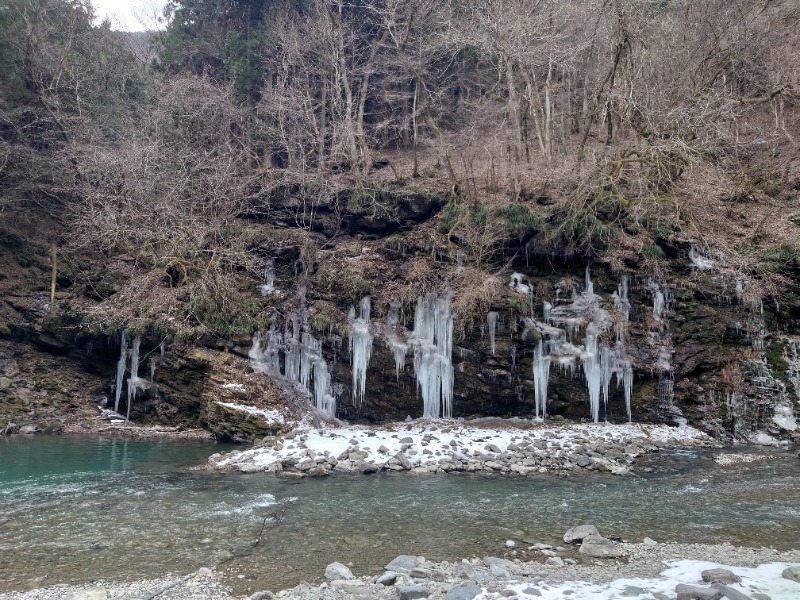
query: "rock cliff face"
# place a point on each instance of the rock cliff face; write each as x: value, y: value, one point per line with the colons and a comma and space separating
x: 601, y: 337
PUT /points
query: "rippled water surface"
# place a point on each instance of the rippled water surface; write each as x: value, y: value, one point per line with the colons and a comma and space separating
x: 77, y: 509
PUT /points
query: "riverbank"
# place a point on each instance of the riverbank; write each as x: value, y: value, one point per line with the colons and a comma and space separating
x: 646, y: 570
x: 504, y: 446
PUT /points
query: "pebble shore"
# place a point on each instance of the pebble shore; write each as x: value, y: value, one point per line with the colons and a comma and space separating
x: 646, y: 570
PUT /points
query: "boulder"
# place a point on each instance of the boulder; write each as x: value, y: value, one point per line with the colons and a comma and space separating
x: 729, y: 593
x: 792, y: 574
x: 723, y: 576
x: 405, y: 563
x: 465, y: 591
x: 337, y: 570
x: 632, y: 591
x: 597, y: 546
x: 555, y: 561
x: 388, y: 578
x: 576, y: 534
x: 693, y: 592
x: 411, y: 592
x: 463, y: 571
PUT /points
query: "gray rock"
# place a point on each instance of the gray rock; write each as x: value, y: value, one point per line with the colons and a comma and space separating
x: 500, y: 562
x: 576, y: 534
x: 597, y: 546
x: 493, y: 448
x: 463, y: 571
x: 404, y: 563
x: 760, y: 596
x: 337, y: 570
x: 730, y: 593
x: 631, y: 591
x: 465, y: 591
x: 555, y: 561
x: 388, y: 578
x: 265, y: 595
x: 792, y: 574
x: 660, y: 596
x: 693, y: 592
x: 407, y: 440
x: 498, y: 571
x: 420, y: 573
x: 403, y: 460
x: 649, y: 542
x: 582, y: 460
x: 411, y: 592
x: 28, y: 430
x: 720, y: 576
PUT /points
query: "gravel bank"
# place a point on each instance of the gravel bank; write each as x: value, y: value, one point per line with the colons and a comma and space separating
x: 504, y: 446
x: 647, y: 571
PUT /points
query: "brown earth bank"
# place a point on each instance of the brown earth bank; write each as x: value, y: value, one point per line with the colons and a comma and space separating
x: 708, y: 340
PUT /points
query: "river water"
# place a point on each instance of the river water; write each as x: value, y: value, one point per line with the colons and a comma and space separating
x: 77, y: 509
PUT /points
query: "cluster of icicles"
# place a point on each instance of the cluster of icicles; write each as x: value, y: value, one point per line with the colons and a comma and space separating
x: 431, y: 343
x: 135, y: 383
x: 600, y: 363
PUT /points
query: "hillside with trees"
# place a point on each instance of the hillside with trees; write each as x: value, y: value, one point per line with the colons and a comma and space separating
x: 259, y: 164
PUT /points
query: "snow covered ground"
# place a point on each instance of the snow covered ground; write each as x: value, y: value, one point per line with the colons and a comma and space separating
x: 513, y: 445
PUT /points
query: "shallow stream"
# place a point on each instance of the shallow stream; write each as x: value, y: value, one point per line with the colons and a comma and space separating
x: 77, y: 509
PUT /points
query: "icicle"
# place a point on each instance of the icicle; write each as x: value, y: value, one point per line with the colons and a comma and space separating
x: 134, y: 382
x: 433, y: 349
x: 591, y: 369
x: 268, y: 287
x: 623, y: 305
x: 589, y: 285
x: 547, y: 308
x: 152, y: 369
x: 658, y: 304
x: 698, y: 261
x: 517, y: 285
x: 491, y: 318
x: 541, y: 374
x: 361, y: 349
x: 123, y: 358
x: 627, y: 385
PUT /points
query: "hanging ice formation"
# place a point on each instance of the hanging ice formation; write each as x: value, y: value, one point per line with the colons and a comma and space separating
x: 491, y: 319
x: 304, y: 363
x: 599, y: 363
x: 135, y: 382
x: 123, y: 359
x: 659, y: 300
x: 394, y: 340
x: 268, y: 287
x: 541, y: 374
x: 361, y: 348
x: 699, y: 260
x: 432, y: 341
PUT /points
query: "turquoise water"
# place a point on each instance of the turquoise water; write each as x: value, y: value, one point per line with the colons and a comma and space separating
x: 79, y: 509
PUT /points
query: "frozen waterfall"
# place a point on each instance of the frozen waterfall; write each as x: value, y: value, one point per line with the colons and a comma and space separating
x: 123, y: 359
x: 361, y: 348
x: 492, y: 319
x: 432, y: 341
x: 600, y: 363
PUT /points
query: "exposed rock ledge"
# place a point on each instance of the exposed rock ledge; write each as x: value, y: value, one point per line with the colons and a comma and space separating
x: 514, y: 447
